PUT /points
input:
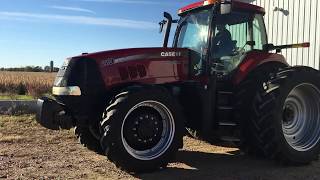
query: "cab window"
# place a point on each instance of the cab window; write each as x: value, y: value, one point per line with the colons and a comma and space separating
x: 230, y: 42
x: 259, y: 32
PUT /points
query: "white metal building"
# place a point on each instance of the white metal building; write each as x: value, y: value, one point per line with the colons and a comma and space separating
x: 294, y: 21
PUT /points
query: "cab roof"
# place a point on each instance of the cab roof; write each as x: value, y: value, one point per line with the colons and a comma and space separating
x: 236, y: 5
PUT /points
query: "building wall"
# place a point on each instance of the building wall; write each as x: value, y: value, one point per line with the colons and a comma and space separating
x: 294, y: 21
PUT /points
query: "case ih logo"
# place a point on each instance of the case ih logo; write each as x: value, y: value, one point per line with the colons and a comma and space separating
x: 171, y: 54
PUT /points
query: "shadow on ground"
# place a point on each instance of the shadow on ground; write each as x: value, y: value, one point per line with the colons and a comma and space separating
x: 231, y: 166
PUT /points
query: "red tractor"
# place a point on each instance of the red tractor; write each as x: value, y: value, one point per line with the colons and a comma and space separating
x: 219, y: 81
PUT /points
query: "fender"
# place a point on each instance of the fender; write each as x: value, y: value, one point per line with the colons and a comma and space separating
x: 254, y: 60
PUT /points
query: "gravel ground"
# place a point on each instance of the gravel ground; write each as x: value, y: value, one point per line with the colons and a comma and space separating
x: 28, y: 151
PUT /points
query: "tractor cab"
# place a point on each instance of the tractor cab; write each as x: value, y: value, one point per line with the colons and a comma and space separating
x: 226, y: 41
x: 220, y: 34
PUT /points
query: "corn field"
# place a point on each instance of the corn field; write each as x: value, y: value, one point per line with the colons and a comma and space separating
x: 26, y: 83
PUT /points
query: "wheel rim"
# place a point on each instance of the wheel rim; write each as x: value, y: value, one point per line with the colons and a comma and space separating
x: 301, y: 120
x: 148, y: 130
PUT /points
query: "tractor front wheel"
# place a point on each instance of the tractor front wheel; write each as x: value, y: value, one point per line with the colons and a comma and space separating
x: 88, y: 138
x: 142, y: 129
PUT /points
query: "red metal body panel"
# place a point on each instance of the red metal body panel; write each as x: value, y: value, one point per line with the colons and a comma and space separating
x: 236, y: 5
x: 142, y: 65
x: 192, y: 6
x: 253, y: 60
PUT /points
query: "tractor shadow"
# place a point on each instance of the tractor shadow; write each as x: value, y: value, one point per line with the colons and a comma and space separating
x: 231, y: 166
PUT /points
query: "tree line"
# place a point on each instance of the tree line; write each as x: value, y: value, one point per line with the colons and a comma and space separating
x: 31, y: 69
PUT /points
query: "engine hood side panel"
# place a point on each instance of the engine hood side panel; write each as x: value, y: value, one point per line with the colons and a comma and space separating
x: 143, y: 65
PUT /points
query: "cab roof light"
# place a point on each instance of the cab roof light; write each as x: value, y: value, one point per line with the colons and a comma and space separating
x: 208, y: 2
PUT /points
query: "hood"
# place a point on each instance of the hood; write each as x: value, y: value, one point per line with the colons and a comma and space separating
x: 126, y: 55
x: 139, y: 65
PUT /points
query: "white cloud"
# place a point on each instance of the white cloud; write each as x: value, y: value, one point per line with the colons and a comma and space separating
x: 84, y: 20
x: 77, y: 9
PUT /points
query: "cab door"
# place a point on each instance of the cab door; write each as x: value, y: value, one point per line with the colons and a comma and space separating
x: 234, y: 36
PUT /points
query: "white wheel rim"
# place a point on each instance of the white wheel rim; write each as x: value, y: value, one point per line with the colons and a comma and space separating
x: 167, y: 134
x: 301, y: 117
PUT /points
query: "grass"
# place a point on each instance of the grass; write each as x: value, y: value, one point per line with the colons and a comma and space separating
x: 15, y: 97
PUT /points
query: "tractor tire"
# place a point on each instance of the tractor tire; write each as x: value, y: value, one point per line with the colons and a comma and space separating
x: 87, y: 138
x: 245, y: 95
x: 142, y: 129
x: 285, y: 119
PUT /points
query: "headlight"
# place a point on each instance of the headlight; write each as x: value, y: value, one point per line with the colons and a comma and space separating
x: 66, y: 91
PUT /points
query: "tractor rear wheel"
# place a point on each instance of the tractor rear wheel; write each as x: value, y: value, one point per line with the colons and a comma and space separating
x: 142, y: 129
x: 245, y: 95
x: 285, y: 119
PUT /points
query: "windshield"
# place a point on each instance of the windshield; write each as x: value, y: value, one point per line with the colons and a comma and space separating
x: 192, y: 33
x: 194, y: 30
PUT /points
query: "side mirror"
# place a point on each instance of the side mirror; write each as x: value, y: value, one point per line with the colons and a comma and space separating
x: 226, y: 7
x: 161, y: 24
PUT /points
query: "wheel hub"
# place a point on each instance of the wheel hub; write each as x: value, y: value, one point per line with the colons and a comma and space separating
x: 146, y: 130
x: 288, y: 114
x: 147, y: 126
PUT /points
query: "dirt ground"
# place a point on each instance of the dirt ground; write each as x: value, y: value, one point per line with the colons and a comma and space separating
x: 28, y: 151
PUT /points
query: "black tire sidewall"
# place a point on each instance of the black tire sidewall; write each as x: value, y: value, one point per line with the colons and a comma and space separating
x: 87, y: 139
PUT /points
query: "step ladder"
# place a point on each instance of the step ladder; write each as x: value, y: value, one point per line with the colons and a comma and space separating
x: 227, y: 127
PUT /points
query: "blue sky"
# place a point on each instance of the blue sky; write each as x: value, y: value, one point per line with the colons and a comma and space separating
x: 33, y: 32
